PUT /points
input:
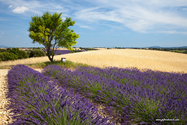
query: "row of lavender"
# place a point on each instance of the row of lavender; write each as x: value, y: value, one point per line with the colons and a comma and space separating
x: 158, y: 81
x: 133, y: 95
x: 34, y: 100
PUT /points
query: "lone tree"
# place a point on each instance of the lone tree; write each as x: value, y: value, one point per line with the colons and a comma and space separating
x: 43, y: 29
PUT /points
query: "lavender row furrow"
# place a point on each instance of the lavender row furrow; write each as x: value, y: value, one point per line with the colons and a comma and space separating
x: 158, y: 81
x: 35, y: 100
x: 137, y: 104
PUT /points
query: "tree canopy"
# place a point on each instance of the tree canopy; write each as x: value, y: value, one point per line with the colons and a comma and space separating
x: 44, y: 29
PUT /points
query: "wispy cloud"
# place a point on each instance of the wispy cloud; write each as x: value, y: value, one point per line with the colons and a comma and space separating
x: 10, y: 6
x: 172, y: 32
x: 2, y: 33
x: 36, y: 7
x: 87, y: 27
x: 20, y: 9
x: 63, y: 18
x: 140, y: 16
x: 84, y: 26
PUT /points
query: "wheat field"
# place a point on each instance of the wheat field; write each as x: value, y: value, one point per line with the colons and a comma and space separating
x: 122, y: 58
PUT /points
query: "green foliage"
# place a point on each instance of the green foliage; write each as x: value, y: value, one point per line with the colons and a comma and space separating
x: 8, y: 49
x: 35, y: 48
x: 1, y: 57
x: 14, y: 50
x: 44, y: 29
x: 185, y: 52
x: 12, y: 54
x: 177, y: 50
x: 88, y: 48
x: 51, y: 53
x: 21, y: 54
x: 73, y: 51
x: 5, y: 56
x: 36, y: 53
x: 2, y: 50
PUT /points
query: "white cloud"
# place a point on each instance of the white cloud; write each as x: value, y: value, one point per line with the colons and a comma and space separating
x: 20, y: 9
x: 172, y: 32
x: 63, y: 18
x: 17, y: 36
x: 36, y: 7
x: 84, y: 26
x: 10, y: 6
x: 140, y: 16
x: 2, y: 33
x: 87, y: 27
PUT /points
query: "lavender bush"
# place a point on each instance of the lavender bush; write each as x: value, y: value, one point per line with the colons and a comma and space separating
x: 35, y: 100
x: 132, y: 101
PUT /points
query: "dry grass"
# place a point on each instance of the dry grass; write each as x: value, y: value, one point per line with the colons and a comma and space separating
x: 122, y: 58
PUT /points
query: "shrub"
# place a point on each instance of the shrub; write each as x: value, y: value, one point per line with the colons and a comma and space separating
x: 5, y: 56
x: 36, y: 53
x: 28, y: 52
x: 43, y: 49
x: 35, y: 48
x: 185, y: 52
x: 14, y: 50
x: 1, y: 57
x: 2, y: 50
x: 21, y: 54
x: 8, y: 49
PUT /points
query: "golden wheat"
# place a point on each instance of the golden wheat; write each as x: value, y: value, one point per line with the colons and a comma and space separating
x: 122, y: 58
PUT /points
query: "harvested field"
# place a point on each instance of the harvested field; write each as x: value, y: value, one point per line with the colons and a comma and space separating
x: 122, y: 58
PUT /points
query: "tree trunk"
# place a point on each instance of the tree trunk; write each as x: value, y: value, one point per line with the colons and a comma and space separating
x: 48, y: 54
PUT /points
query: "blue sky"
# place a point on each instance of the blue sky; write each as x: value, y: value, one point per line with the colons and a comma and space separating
x: 101, y: 23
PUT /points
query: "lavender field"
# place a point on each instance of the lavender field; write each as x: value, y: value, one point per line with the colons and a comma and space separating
x: 133, y: 96
x: 35, y: 100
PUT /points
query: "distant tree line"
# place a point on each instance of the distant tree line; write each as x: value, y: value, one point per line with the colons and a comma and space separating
x: 83, y: 48
x: 15, y: 53
x: 177, y: 50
